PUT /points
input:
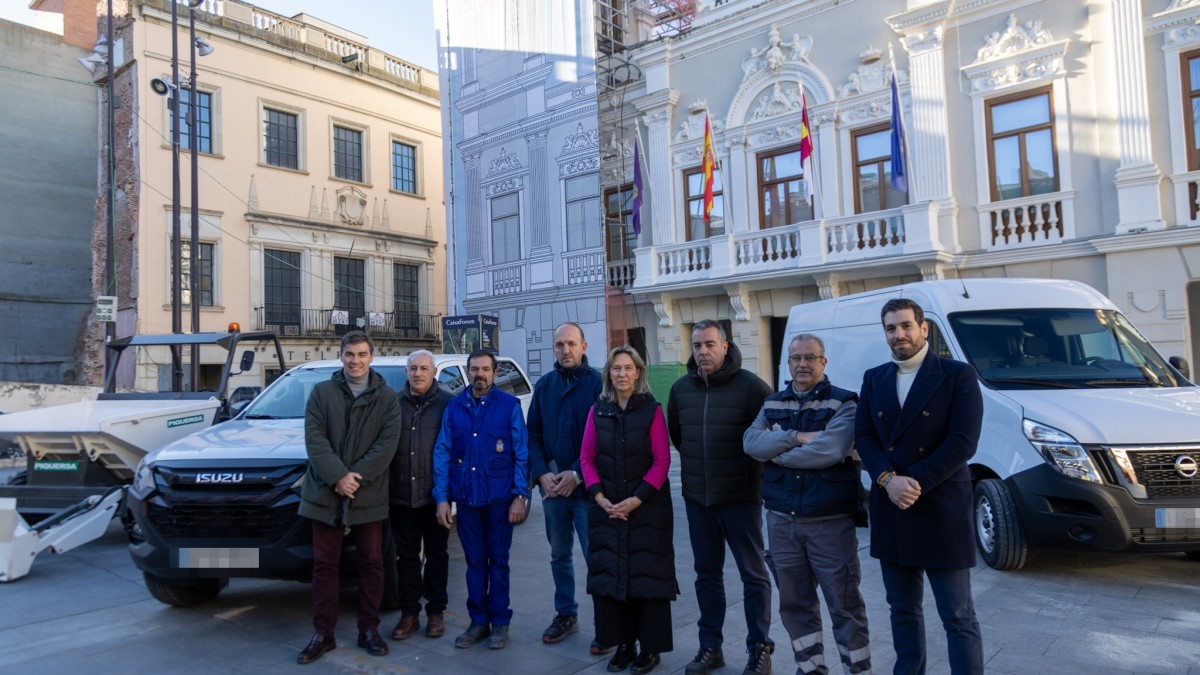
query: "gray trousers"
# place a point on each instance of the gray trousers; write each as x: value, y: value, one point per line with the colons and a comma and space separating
x: 819, y: 553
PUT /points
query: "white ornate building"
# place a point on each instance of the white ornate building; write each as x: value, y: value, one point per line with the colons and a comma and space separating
x: 1045, y: 139
x: 523, y: 170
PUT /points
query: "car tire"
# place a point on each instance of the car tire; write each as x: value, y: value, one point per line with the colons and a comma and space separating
x: 998, y: 533
x: 183, y: 593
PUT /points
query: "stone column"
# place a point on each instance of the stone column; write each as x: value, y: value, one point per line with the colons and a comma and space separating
x: 929, y: 128
x: 658, y: 169
x: 477, y: 233
x: 1137, y: 177
x: 541, y: 252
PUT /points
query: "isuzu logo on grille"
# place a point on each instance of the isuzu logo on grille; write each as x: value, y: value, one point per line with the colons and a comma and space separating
x: 238, y: 477
x: 1186, y: 466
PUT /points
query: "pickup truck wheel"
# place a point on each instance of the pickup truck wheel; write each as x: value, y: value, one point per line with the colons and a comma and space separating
x: 997, y: 527
x: 183, y: 593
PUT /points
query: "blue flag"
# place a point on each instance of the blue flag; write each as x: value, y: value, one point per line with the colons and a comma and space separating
x: 899, y: 160
x: 637, y: 189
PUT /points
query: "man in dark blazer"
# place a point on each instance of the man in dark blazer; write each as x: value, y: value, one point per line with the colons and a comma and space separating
x: 917, y: 425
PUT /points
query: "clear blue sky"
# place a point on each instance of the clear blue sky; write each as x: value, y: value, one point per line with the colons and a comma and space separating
x: 402, y: 28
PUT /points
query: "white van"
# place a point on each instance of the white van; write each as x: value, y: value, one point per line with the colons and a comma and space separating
x: 1090, y: 438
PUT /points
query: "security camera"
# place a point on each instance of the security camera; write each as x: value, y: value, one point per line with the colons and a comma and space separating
x: 162, y: 86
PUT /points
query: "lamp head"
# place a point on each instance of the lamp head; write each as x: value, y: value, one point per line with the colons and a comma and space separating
x: 162, y: 86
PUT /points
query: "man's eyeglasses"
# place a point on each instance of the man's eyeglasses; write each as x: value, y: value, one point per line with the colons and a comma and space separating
x: 806, y: 358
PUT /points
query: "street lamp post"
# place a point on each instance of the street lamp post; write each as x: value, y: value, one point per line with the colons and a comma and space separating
x: 194, y: 146
x: 176, y: 227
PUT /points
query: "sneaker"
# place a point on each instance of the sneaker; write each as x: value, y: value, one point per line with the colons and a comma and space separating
x: 562, y: 626
x: 759, y: 660
x: 707, y: 659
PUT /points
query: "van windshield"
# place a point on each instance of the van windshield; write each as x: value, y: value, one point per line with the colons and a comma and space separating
x: 1059, y: 349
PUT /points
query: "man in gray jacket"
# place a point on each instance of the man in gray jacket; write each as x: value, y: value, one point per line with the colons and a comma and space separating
x: 351, y: 426
x: 804, y: 436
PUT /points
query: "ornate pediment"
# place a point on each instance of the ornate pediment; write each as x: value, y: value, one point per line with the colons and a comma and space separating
x: 1021, y: 54
x: 505, y: 163
x: 581, y: 141
x: 616, y: 148
x: 1014, y: 39
x: 783, y: 98
x: 776, y: 53
x: 873, y: 74
x: 692, y: 128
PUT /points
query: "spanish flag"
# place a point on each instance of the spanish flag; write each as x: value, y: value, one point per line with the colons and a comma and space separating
x: 709, y: 165
x: 806, y: 148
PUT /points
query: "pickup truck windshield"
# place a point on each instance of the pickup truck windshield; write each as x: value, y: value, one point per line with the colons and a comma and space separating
x: 1059, y: 349
x: 287, y: 396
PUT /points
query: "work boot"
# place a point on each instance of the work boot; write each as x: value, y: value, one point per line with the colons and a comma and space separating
x: 707, y: 659
x: 473, y: 635
x: 406, y: 627
x: 499, y: 638
x: 435, y: 626
x: 759, y: 661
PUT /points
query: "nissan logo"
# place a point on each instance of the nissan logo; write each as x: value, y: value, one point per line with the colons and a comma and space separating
x: 1186, y: 466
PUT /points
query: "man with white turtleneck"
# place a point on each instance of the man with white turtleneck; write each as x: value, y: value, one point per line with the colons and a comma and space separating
x: 917, y: 426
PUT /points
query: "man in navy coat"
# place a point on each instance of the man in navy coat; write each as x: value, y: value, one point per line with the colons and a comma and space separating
x: 918, y: 423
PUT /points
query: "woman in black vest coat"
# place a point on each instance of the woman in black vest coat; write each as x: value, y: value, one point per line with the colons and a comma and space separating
x: 631, y: 557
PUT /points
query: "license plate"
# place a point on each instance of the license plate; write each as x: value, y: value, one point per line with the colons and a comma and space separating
x: 1177, y: 518
x: 218, y: 558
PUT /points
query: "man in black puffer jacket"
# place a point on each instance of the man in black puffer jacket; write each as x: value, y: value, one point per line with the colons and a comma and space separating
x: 708, y: 411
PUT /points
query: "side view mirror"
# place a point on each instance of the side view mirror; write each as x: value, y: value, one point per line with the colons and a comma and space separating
x: 1179, y: 363
x: 247, y: 361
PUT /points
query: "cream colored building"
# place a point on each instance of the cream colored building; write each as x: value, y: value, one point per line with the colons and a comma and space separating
x: 320, y: 185
x: 1045, y: 139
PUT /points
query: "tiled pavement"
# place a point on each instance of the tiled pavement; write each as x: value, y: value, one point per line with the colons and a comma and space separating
x: 1065, y: 613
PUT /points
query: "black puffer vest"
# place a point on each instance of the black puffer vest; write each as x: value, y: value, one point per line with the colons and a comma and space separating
x: 633, y: 559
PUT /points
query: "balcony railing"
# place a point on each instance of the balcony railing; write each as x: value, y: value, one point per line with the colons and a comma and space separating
x: 584, y: 268
x: 685, y: 261
x: 1027, y: 221
x: 305, y: 323
x: 622, y: 273
x: 507, y: 280
x: 879, y: 232
x: 767, y: 249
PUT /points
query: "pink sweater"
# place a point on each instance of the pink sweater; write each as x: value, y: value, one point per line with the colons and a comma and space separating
x: 659, y: 449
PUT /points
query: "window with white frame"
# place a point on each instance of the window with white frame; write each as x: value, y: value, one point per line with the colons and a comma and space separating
x: 693, y: 185
x: 584, y: 229
x: 404, y: 167
x: 1020, y: 134
x: 506, y: 228
x: 348, y: 153
x: 282, y: 138
x: 203, y: 110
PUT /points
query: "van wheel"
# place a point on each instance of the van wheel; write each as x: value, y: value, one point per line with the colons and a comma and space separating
x: 997, y: 528
x: 183, y: 593
x: 1193, y: 555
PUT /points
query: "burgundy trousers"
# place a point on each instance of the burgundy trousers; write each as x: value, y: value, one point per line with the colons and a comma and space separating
x: 326, y: 580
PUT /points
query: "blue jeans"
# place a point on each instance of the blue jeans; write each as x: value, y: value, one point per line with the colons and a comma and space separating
x: 905, y: 588
x: 740, y: 526
x: 486, y: 537
x: 566, y: 518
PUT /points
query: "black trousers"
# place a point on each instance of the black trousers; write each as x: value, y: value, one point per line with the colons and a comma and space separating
x: 623, y: 622
x: 417, y: 531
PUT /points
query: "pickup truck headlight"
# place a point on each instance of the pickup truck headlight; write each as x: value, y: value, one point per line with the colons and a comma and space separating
x: 1061, y: 451
x: 143, y: 480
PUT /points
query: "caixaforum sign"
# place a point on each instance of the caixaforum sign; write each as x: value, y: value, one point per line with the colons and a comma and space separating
x: 466, y: 333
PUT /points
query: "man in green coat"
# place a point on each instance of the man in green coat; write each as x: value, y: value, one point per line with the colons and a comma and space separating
x: 351, y: 427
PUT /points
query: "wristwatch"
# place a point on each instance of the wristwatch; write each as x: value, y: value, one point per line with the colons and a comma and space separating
x: 523, y: 499
x: 885, y: 478
x: 575, y: 473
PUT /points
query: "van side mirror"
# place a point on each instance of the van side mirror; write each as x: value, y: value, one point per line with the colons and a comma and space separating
x: 1179, y: 363
x: 247, y: 361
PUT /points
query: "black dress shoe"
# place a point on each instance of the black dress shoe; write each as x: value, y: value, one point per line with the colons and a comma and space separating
x: 372, y: 641
x: 644, y: 663
x: 620, y: 661
x: 316, y: 648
